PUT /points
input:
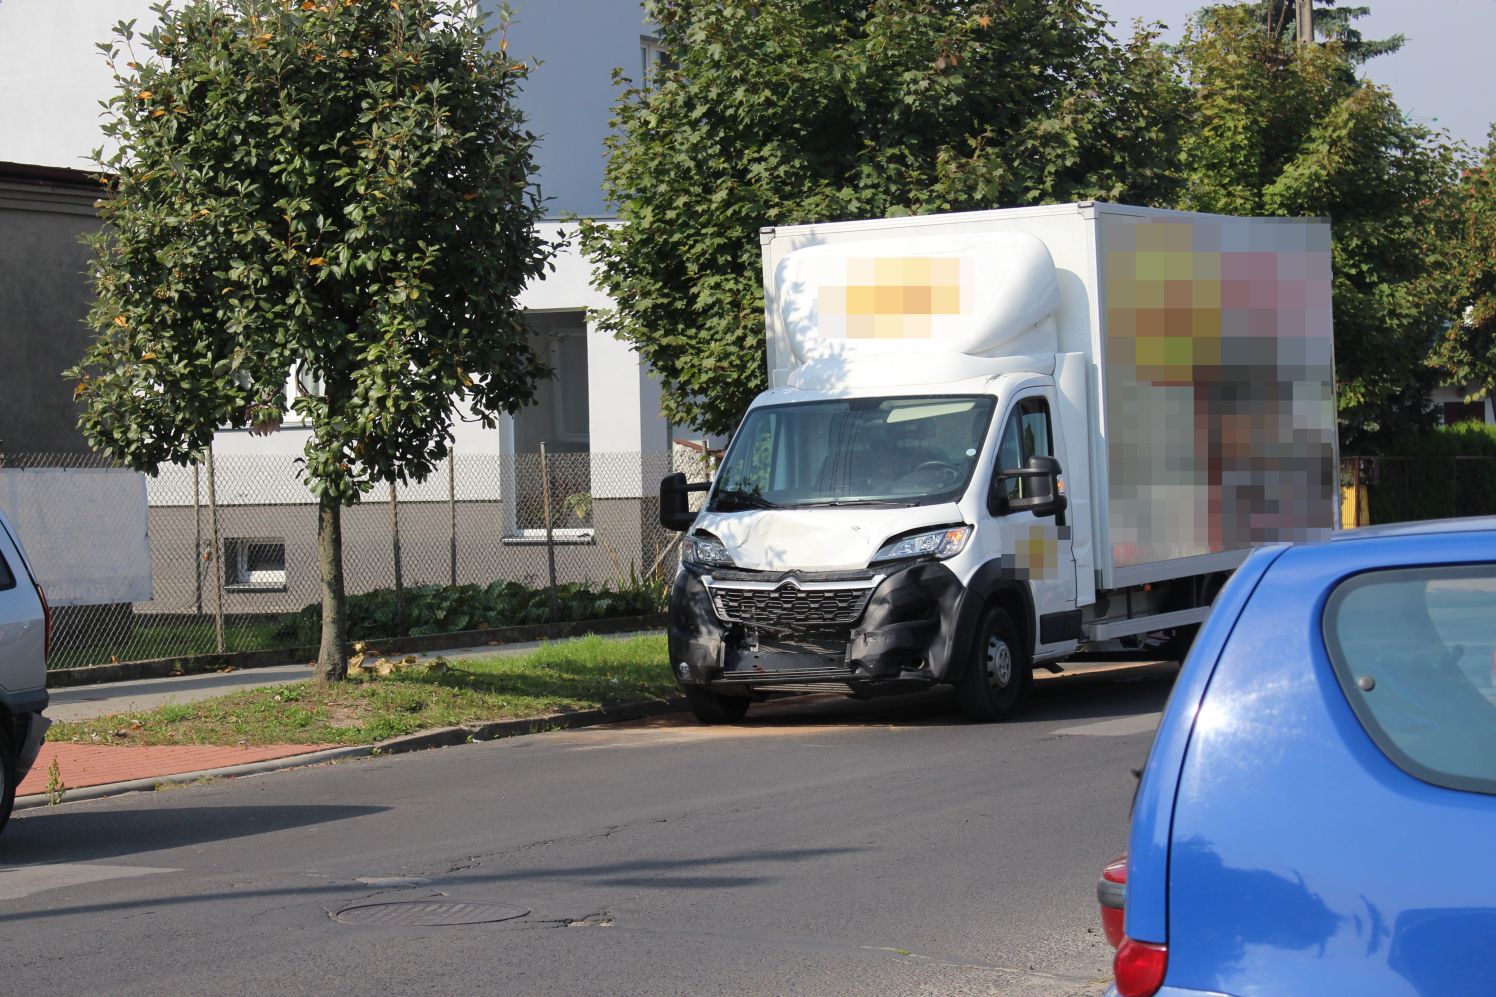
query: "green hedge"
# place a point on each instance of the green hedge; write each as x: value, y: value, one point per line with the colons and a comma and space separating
x: 433, y: 609
x: 1426, y: 481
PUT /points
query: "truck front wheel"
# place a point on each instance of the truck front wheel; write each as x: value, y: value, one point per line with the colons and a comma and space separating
x: 998, y: 677
x: 711, y: 708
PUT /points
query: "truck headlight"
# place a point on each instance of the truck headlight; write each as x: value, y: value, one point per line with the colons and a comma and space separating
x: 705, y: 550
x: 948, y: 541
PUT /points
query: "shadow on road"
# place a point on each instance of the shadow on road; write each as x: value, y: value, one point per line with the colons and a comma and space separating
x: 656, y: 874
x: 1088, y: 694
x: 69, y: 835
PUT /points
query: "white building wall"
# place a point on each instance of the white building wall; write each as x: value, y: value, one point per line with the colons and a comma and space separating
x: 53, y: 77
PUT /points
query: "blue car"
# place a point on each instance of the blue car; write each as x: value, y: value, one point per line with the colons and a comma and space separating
x: 1318, y: 811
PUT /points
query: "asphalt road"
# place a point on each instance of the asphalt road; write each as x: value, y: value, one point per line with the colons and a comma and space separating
x: 825, y: 847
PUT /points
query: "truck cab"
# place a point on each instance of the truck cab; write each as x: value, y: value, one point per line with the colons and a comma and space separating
x: 872, y: 538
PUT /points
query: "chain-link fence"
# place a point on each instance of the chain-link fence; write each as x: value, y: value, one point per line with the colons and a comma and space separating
x: 1398, y: 489
x: 233, y: 562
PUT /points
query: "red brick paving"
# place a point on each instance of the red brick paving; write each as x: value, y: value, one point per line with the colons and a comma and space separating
x: 98, y: 764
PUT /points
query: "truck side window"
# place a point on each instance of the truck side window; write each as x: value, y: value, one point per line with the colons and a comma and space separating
x: 1027, y: 433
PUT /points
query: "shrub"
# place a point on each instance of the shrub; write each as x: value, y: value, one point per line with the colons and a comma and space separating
x: 1426, y: 480
x: 433, y: 609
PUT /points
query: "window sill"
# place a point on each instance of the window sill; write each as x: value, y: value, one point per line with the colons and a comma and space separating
x: 536, y: 538
x: 259, y: 587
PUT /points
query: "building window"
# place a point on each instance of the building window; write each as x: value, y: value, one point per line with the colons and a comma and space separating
x: 1456, y: 412
x: 652, y: 59
x: 569, y: 361
x: 255, y: 564
x: 560, y: 414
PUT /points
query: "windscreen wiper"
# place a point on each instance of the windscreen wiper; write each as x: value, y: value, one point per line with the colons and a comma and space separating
x: 740, y: 500
x: 883, y: 503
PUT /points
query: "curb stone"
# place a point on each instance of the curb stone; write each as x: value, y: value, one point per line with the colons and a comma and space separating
x: 444, y: 737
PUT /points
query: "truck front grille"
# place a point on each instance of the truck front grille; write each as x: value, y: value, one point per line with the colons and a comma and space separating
x: 788, y: 606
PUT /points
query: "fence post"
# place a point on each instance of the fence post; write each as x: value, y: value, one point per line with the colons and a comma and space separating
x: 197, y: 528
x: 452, y: 511
x: 399, y: 577
x: 216, y: 559
x: 1408, y: 489
x: 1355, y: 493
x: 550, y: 546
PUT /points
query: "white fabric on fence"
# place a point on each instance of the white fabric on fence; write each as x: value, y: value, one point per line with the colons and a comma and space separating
x: 85, y: 531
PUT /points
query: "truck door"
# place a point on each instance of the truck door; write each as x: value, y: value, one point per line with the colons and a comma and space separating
x: 1037, y: 549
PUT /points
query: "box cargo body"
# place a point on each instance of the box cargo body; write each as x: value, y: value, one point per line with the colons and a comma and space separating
x: 992, y: 439
x: 1209, y: 371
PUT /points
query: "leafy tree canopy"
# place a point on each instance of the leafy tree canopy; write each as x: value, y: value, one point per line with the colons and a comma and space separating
x: 823, y: 110
x: 1467, y: 350
x: 339, y: 188
x: 1332, y: 22
x: 1281, y: 130
x: 335, y: 188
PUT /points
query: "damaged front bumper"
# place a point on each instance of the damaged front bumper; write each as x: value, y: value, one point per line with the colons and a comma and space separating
x: 884, y: 629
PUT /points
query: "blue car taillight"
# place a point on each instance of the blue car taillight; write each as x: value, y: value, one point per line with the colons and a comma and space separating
x: 1139, y: 968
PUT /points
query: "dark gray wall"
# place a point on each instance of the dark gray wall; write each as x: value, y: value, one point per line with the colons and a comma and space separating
x: 44, y: 296
x: 569, y: 97
x: 624, y: 534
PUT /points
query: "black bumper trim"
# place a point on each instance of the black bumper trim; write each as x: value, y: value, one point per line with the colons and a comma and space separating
x: 907, y: 631
x: 30, y: 701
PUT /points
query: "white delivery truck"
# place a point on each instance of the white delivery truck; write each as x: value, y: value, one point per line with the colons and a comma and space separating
x: 992, y: 439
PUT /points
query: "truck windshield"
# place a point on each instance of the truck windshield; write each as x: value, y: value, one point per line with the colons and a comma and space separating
x: 854, y: 451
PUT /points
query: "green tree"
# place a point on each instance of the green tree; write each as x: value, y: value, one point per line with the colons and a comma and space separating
x: 823, y: 110
x: 334, y: 188
x: 1332, y: 22
x: 1280, y: 130
x: 1466, y: 353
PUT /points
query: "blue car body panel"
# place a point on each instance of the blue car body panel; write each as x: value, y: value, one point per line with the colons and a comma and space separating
x: 1146, y: 916
x: 1297, y: 859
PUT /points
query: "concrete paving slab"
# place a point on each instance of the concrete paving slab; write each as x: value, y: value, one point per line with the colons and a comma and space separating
x: 88, y: 701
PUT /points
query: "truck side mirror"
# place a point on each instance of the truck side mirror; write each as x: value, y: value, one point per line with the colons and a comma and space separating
x: 675, y: 505
x: 1043, y: 498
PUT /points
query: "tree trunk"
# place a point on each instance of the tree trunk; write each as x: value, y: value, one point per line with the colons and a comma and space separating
x: 332, y: 662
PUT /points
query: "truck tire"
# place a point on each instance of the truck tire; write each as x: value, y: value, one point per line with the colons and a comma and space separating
x: 998, y: 676
x: 7, y: 776
x: 712, y: 708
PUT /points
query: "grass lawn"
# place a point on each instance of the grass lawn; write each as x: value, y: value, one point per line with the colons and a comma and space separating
x: 563, y: 675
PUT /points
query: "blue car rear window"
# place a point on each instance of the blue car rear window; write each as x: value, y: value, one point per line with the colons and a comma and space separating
x: 7, y: 579
x: 1415, y: 649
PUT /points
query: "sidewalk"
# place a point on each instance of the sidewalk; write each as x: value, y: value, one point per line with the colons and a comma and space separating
x: 84, y: 766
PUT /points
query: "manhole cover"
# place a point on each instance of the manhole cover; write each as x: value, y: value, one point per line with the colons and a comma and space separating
x: 429, y: 913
